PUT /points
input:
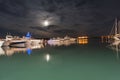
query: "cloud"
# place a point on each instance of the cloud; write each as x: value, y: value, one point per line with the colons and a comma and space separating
x: 65, y: 16
x: 13, y: 7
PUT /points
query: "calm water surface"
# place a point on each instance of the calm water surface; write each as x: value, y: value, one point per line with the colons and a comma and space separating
x: 92, y: 61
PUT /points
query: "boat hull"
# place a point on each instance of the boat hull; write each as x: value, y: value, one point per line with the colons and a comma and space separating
x: 18, y: 44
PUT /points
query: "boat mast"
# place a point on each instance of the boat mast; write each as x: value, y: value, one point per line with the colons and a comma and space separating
x: 116, y: 28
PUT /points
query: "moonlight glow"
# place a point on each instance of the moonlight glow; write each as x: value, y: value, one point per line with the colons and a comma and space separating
x: 46, y: 23
x: 47, y: 57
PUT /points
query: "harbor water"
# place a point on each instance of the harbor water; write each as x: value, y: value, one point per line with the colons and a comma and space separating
x: 92, y: 60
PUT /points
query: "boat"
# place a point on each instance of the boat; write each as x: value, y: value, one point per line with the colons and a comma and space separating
x: 61, y: 41
x: 1, y: 42
x: 18, y: 43
x: 14, y: 41
x: 2, y: 52
x: 67, y: 38
x: 31, y: 41
x: 24, y: 42
x: 115, y: 33
x: 9, y: 37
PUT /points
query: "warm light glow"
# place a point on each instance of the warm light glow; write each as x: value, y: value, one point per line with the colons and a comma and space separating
x: 82, y: 41
x: 46, y: 23
x: 106, y: 38
x: 83, y: 37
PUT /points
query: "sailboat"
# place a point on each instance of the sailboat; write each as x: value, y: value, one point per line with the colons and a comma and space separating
x: 115, y: 32
x: 115, y: 36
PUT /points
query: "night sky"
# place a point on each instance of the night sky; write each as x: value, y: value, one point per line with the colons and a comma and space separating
x: 66, y: 17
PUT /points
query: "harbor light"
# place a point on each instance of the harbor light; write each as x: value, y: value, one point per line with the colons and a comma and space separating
x: 82, y: 40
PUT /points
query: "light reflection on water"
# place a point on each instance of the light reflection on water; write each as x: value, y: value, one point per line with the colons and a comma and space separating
x: 47, y: 57
x: 11, y: 50
x: 115, y: 46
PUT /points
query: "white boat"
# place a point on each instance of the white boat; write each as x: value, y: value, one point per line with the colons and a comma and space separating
x: 54, y: 40
x: 1, y: 42
x: 35, y: 41
x: 2, y: 52
x: 22, y: 42
x: 14, y: 42
x: 115, y: 32
x: 61, y: 41
x: 67, y: 38
x: 9, y: 37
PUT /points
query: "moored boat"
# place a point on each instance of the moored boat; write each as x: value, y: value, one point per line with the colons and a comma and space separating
x: 20, y: 43
x: 115, y: 33
x: 1, y: 42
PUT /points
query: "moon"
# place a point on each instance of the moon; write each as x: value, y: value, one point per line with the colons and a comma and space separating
x: 46, y: 23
